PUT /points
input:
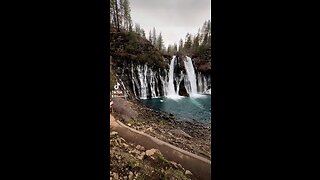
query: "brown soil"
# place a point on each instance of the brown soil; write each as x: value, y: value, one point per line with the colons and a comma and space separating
x: 132, y: 161
x: 190, y: 136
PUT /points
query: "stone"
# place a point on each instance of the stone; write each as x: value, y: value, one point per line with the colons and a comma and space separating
x: 113, y: 133
x: 130, y: 175
x: 125, y: 145
x: 141, y: 148
x: 115, y: 176
x: 138, y: 147
x: 152, y: 151
x: 188, y: 172
x: 129, y: 124
x: 141, y: 156
x: 181, y: 133
x: 174, y: 164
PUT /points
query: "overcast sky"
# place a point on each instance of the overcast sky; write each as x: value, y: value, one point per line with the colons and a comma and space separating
x: 173, y: 18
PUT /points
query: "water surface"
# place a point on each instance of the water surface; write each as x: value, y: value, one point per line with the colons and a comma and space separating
x: 197, y: 108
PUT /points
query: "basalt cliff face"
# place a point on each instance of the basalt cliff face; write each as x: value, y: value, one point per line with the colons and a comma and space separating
x: 144, y: 72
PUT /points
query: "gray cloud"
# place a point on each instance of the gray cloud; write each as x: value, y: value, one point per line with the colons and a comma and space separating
x: 174, y: 18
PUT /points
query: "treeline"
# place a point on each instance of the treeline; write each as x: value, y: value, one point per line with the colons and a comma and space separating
x: 120, y: 18
x: 120, y: 21
x: 193, y: 44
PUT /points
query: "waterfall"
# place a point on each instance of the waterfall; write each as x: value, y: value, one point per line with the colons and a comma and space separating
x: 200, y: 83
x: 164, y: 82
x: 179, y: 81
x: 142, y: 73
x: 157, y: 83
x: 205, y: 84
x: 147, y: 82
x: 171, y: 91
x: 152, y: 84
x: 133, y: 79
x: 192, y: 82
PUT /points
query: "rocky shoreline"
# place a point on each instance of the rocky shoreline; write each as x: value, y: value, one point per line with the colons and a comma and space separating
x: 189, y: 135
x: 132, y: 162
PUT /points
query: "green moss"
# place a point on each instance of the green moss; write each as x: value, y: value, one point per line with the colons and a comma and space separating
x: 162, y: 161
x: 112, y: 81
x: 131, y: 164
x: 174, y: 174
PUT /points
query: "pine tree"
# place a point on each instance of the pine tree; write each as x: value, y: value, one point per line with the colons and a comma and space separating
x: 175, y: 48
x: 188, y: 42
x: 143, y: 34
x: 159, y: 43
x: 150, y: 38
x: 127, y: 16
x: 195, y: 44
x: 169, y: 50
x: 137, y: 29
x: 180, y: 45
x: 154, y: 36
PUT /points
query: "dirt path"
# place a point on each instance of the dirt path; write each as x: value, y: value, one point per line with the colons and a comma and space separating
x: 199, y: 166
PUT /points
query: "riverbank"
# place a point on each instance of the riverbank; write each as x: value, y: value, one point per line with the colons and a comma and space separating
x: 191, y: 136
x: 130, y: 161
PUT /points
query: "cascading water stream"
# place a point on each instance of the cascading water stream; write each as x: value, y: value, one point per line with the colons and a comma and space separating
x: 171, y: 91
x: 147, y: 82
x: 192, y: 85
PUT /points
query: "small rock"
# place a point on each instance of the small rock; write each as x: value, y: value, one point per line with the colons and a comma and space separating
x: 188, y: 172
x: 152, y: 151
x: 149, y: 129
x: 174, y: 164
x: 138, y: 147
x: 141, y: 148
x: 129, y: 124
x: 125, y: 145
x: 115, y: 176
x: 130, y: 175
x: 141, y: 156
x: 113, y: 133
